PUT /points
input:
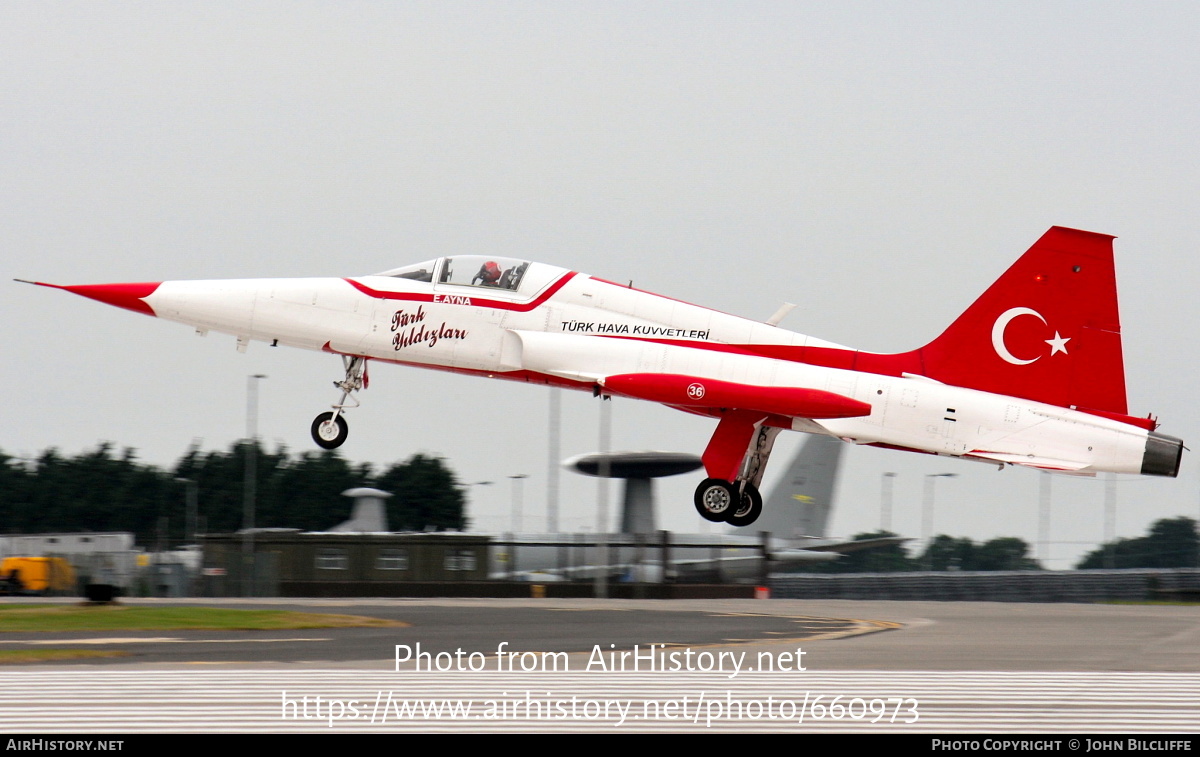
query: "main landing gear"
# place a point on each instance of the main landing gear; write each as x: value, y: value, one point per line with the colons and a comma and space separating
x: 720, y: 501
x: 735, y: 459
x: 329, y: 430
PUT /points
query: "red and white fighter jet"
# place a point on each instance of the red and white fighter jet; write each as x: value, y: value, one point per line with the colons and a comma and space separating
x: 1031, y: 374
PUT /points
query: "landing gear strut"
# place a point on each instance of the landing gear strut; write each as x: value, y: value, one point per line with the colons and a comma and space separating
x: 329, y: 430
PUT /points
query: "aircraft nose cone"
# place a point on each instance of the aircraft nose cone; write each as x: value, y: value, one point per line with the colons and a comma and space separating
x: 128, y: 296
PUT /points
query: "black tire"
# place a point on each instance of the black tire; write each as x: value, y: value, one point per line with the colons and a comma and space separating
x: 750, y: 509
x: 714, y: 499
x: 327, y: 435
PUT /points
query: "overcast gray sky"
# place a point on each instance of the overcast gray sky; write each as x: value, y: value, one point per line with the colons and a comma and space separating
x: 878, y: 163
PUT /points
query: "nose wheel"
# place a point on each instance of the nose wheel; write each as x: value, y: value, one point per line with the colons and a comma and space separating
x: 329, y: 430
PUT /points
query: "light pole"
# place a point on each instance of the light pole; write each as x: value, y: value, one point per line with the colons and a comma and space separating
x: 603, y: 473
x: 927, y: 515
x: 600, y: 587
x: 553, y: 458
x: 1044, y: 518
x: 1110, y: 521
x: 249, y: 490
x: 190, y: 509
x: 516, y: 501
x: 887, y: 484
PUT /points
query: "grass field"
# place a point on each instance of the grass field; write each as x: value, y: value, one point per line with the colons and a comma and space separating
x: 50, y: 618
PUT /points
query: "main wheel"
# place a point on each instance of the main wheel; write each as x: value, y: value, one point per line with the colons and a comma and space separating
x: 714, y: 499
x: 329, y: 432
x: 749, y: 510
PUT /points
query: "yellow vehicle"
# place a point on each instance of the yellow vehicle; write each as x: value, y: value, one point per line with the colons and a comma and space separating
x: 35, y: 575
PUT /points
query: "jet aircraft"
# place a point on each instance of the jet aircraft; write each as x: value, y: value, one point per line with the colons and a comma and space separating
x: 1031, y: 374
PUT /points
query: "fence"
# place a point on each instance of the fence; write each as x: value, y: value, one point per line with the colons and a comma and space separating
x: 997, y: 586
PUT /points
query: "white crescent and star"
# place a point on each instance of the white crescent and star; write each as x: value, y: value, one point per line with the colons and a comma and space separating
x: 1057, y: 344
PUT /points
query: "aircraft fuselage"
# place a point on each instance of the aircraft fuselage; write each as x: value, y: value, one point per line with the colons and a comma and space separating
x: 579, y: 330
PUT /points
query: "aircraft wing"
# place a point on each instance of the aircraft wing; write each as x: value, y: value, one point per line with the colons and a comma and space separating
x: 1029, y: 461
x: 730, y: 566
x: 846, y: 547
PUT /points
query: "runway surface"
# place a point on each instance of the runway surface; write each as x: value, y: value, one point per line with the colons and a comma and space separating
x: 344, y: 701
x: 557, y: 665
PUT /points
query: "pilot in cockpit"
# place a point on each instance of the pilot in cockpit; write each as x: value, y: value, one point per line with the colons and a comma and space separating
x: 488, y: 276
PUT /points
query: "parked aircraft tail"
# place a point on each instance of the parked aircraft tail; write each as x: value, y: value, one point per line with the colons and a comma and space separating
x: 802, y: 501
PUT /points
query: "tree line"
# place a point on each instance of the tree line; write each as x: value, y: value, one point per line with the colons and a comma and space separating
x: 943, y: 553
x: 106, y: 490
x: 1170, y: 543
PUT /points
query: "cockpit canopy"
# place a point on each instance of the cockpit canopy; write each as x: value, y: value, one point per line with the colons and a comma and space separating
x: 416, y: 271
x: 481, y: 271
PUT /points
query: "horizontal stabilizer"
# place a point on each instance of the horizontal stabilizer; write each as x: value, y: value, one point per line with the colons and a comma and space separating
x: 690, y: 391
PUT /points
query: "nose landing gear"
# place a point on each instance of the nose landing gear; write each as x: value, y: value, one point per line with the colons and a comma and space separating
x: 329, y: 430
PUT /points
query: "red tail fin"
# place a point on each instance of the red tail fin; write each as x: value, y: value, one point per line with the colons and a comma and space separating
x: 1047, y: 330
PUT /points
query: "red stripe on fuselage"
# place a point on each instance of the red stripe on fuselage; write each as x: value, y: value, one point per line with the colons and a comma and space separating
x: 824, y: 357
x: 479, y: 302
